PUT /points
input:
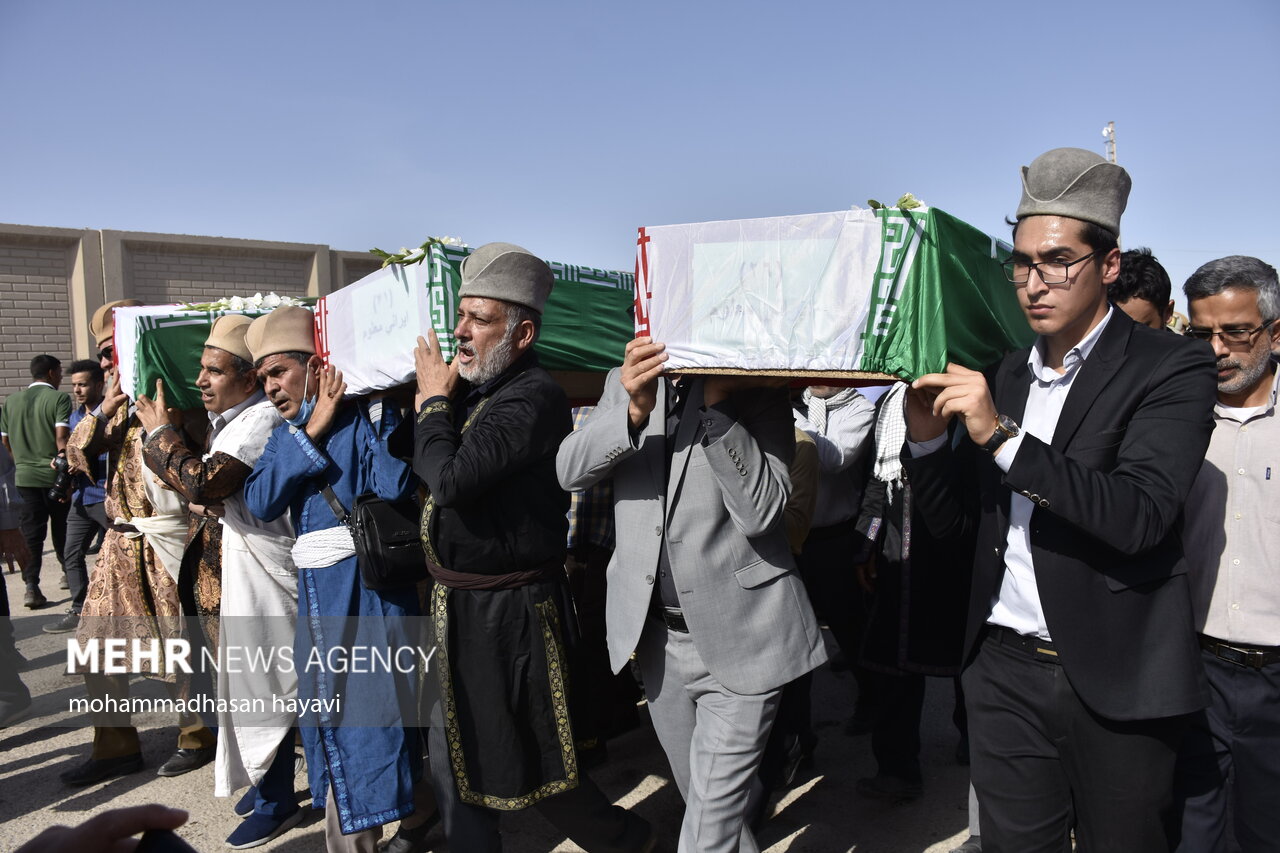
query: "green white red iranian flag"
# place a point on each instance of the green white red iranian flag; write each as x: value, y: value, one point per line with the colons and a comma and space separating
x: 851, y: 294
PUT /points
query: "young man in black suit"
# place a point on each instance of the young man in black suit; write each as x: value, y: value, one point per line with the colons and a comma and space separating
x: 1082, y: 663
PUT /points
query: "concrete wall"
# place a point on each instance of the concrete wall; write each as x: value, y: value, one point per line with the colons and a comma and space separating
x: 53, y: 279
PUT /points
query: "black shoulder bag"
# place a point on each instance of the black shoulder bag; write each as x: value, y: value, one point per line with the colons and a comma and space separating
x: 388, y: 548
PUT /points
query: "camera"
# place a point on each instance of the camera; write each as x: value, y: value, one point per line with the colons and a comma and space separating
x: 60, y: 491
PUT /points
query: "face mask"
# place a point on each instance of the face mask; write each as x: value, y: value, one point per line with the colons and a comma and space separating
x: 306, y: 408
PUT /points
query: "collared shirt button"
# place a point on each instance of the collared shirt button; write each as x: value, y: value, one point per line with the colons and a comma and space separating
x: 658, y: 530
x: 648, y: 579
x: 1235, y: 605
x: 1239, y: 470
x: 1236, y: 561
x: 1238, y: 515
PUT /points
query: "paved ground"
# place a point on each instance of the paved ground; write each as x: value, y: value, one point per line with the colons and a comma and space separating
x: 823, y: 813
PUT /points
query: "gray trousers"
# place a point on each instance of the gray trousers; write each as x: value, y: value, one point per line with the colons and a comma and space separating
x: 714, y: 739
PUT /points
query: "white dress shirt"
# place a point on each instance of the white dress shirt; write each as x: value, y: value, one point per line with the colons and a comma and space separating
x: 1018, y: 604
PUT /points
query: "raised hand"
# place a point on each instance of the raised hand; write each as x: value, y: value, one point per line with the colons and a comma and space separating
x: 153, y: 414
x: 642, y: 364
x: 435, y: 377
x: 328, y: 401
x: 114, y: 398
x: 936, y: 398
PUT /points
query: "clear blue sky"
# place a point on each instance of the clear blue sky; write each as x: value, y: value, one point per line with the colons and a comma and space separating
x: 564, y: 126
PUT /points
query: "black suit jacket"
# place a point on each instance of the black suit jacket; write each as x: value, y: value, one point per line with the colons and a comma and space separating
x: 1109, y: 492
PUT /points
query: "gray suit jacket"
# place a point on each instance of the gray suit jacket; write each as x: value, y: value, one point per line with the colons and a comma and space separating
x: 721, y: 513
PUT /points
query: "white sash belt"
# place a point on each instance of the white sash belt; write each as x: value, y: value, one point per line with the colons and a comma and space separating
x: 321, y: 548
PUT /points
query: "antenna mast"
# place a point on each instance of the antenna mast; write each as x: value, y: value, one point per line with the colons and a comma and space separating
x: 1109, y: 134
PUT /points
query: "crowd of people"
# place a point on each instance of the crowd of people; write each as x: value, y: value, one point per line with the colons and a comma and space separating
x: 1084, y: 537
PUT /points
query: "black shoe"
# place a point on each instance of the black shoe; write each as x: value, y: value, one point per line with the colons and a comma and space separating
x: 63, y: 584
x: 34, y: 599
x: 973, y: 844
x: 186, y: 760
x: 890, y: 788
x: 67, y: 623
x: 98, y: 769
x: 412, y: 840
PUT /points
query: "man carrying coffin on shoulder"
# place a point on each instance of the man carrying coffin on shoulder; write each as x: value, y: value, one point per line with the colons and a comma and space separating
x: 133, y: 591
x: 702, y: 585
x: 363, y: 754
x: 485, y: 442
x: 238, y: 578
x: 1082, y: 664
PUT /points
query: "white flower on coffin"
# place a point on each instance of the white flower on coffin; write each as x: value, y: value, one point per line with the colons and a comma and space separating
x: 272, y: 301
x: 235, y: 303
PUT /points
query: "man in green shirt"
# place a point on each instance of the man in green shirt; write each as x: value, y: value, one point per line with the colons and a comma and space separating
x: 34, y: 426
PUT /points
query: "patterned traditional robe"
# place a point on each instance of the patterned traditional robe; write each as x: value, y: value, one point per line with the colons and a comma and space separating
x: 131, y: 595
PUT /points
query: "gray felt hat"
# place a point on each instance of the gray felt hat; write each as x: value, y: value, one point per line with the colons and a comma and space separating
x: 506, y: 271
x: 1075, y: 183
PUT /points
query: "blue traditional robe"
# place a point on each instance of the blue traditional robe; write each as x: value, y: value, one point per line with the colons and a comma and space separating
x: 363, y: 743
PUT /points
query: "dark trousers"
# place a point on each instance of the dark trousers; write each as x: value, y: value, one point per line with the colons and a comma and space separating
x: 895, y: 734
x: 1230, y: 762
x: 826, y: 566
x: 275, y: 794
x: 84, y: 523
x: 1036, y: 749
x: 583, y: 814
x: 589, y: 701
x: 40, y: 514
x: 13, y: 693
x: 792, y: 732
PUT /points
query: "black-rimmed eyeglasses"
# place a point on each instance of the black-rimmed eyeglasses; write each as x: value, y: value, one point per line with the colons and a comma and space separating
x: 1050, y: 272
x: 1230, y: 336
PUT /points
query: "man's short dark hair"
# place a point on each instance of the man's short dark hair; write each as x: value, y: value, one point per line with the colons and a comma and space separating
x: 300, y: 357
x: 1141, y: 277
x: 1093, y: 235
x: 42, y: 365
x: 1239, y: 271
x: 89, y: 366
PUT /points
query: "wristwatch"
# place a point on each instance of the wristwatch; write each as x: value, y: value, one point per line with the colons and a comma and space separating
x: 1006, y: 428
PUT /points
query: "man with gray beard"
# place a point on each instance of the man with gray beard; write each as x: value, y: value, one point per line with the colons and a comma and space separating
x: 1227, y: 771
x: 494, y: 528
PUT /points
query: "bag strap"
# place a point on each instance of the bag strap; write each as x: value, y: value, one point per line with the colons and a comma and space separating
x: 335, y: 505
